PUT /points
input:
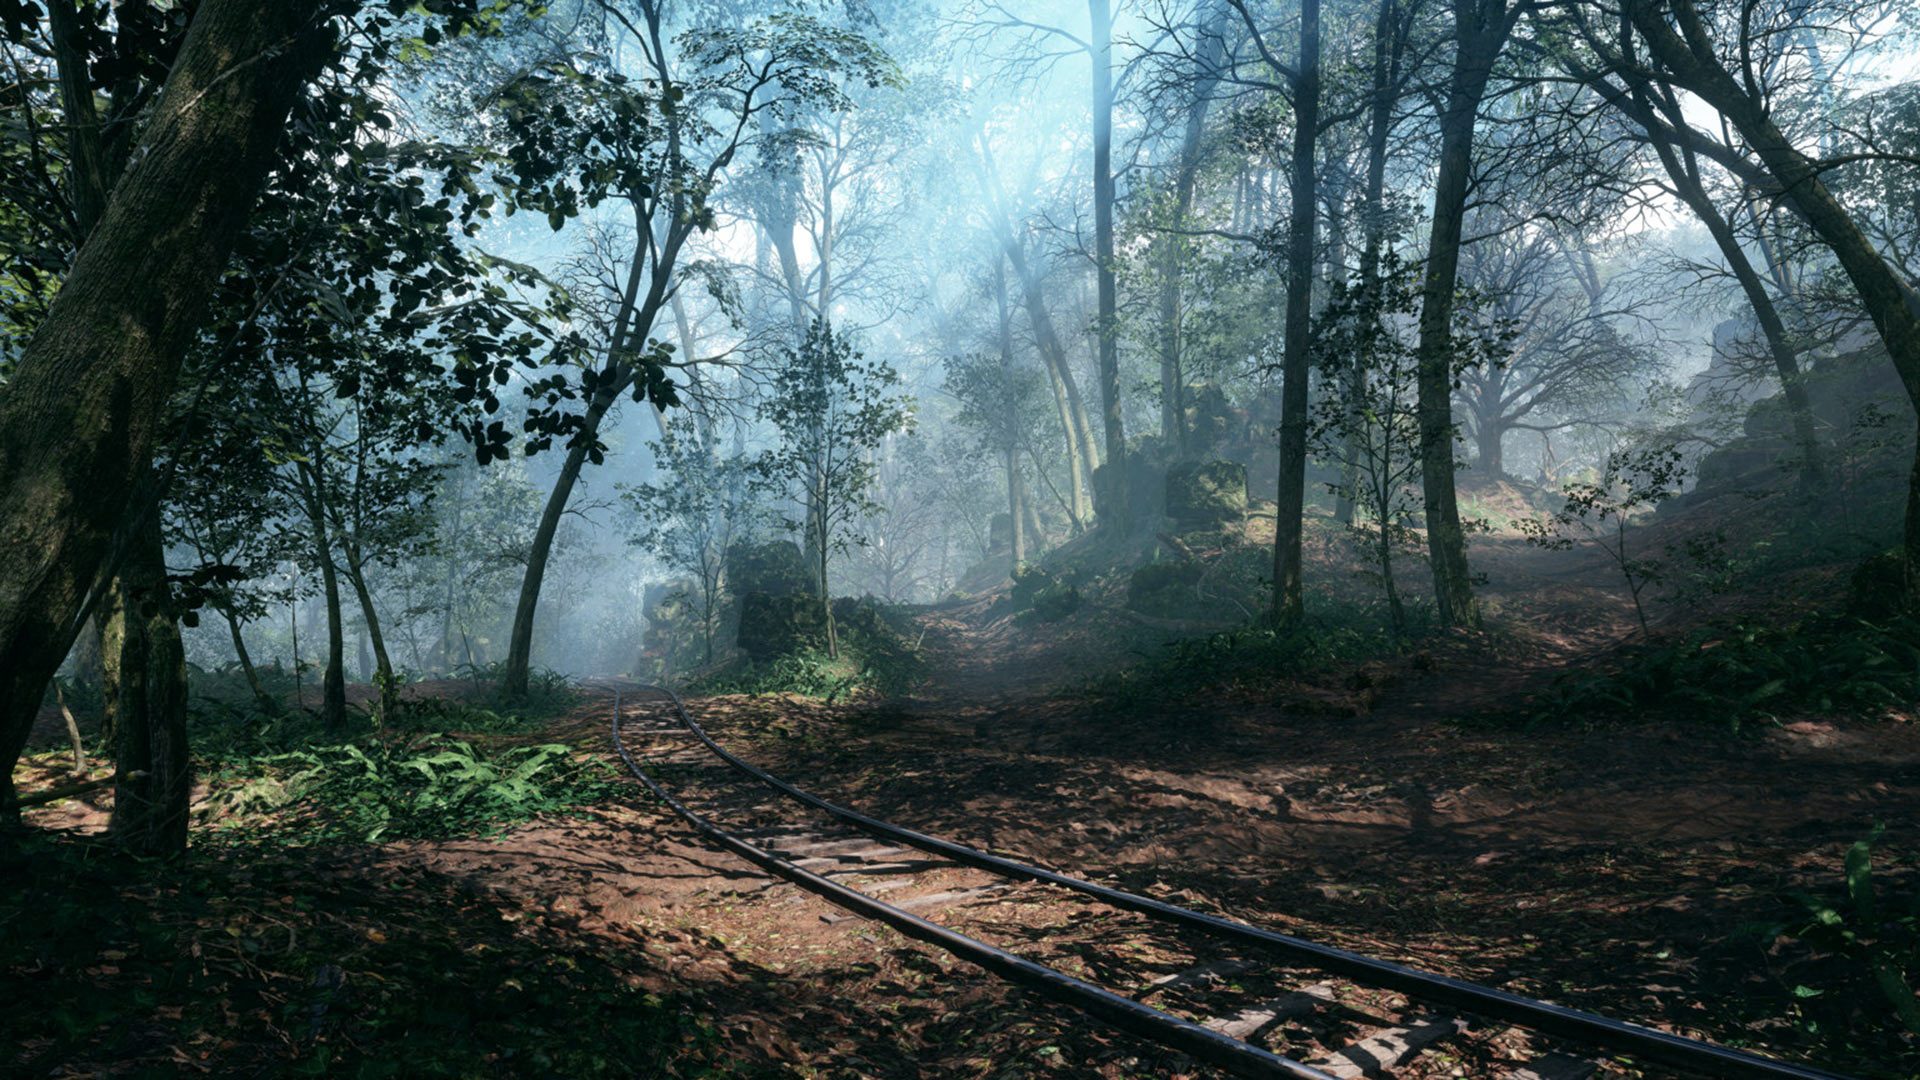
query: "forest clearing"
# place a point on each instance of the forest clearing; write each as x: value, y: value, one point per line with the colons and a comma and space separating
x: 960, y: 538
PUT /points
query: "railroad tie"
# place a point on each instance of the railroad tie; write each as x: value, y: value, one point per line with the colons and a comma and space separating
x: 1256, y: 1020
x: 1213, y: 971
x: 1389, y: 1049
x: 1555, y: 1067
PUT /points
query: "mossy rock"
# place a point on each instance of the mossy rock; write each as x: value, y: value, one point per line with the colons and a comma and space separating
x: 1210, y: 416
x: 772, y: 626
x: 1050, y: 598
x: 1207, y: 493
x: 1878, y: 586
x: 1165, y: 589
x: 775, y: 567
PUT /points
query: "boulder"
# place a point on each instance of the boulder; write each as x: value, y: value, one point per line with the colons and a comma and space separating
x: 1049, y: 598
x: 1207, y: 494
x: 775, y: 567
x: 1166, y: 589
x: 774, y: 626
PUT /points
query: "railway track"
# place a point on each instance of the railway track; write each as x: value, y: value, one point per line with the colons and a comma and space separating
x: 1251, y: 1001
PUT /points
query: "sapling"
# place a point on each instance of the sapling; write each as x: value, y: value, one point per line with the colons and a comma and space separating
x: 1630, y: 481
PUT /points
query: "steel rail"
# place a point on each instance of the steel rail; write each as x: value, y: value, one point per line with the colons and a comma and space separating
x: 1601, y: 1032
x: 1202, y: 1043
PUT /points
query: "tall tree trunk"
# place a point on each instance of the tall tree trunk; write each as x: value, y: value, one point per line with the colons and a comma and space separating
x: 1388, y: 46
x: 1489, y: 435
x: 80, y: 415
x: 146, y: 692
x: 1110, y: 503
x: 89, y: 175
x: 1174, y: 246
x: 382, y: 662
x: 520, y: 644
x: 1054, y: 355
x: 632, y: 322
x: 333, y: 682
x: 246, y: 660
x: 1481, y: 28
x: 1290, y: 503
x: 1010, y: 421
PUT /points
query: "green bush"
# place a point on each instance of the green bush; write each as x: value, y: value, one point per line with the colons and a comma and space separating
x: 1850, y: 961
x: 1166, y: 588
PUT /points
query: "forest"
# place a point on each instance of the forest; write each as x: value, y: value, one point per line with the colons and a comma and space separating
x: 960, y: 538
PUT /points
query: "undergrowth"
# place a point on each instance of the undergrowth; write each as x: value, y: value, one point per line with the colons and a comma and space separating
x: 384, y: 788
x: 876, y: 660
x: 1851, y: 958
x: 433, y: 768
x: 1250, y: 657
x: 1744, y: 671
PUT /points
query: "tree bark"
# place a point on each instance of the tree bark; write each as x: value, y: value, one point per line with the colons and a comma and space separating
x: 246, y: 660
x: 382, y: 662
x: 1481, y: 28
x: 1174, y: 246
x: 80, y: 416
x: 1010, y: 419
x: 1110, y: 503
x: 1388, y: 44
x: 1290, y: 502
x: 146, y: 691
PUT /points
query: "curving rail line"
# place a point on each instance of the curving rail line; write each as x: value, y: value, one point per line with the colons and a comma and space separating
x: 1212, y: 1042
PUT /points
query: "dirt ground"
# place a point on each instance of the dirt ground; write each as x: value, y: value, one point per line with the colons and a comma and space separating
x: 1405, y: 809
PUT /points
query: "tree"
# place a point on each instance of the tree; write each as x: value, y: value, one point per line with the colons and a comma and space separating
x: 1481, y: 29
x: 659, y: 142
x: 1709, y: 51
x: 690, y: 517
x: 1572, y: 358
x: 1374, y: 424
x: 1302, y: 80
x: 1631, y: 481
x: 83, y: 406
x: 997, y: 403
x: 832, y: 408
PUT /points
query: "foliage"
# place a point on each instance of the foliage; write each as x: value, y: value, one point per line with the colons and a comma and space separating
x: 874, y: 659
x: 1252, y: 657
x: 1852, y: 956
x: 1371, y: 429
x: 832, y: 407
x: 690, y: 519
x: 1746, y: 670
x: 374, y: 789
